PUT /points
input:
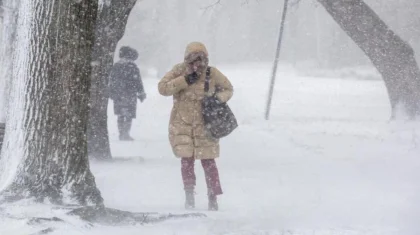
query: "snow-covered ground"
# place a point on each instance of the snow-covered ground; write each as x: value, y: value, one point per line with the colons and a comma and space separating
x: 327, y: 162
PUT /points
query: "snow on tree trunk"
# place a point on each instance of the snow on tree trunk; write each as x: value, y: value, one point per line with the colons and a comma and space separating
x: 45, y: 152
x: 393, y: 57
x: 112, y: 20
x: 8, y: 35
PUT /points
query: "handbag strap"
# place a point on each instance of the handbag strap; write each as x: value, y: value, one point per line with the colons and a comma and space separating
x: 207, y: 81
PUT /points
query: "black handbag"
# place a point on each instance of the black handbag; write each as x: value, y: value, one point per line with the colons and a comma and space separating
x: 219, y: 119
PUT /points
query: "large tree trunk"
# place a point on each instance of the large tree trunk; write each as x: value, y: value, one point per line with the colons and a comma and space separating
x: 393, y: 57
x: 110, y: 29
x: 54, y: 60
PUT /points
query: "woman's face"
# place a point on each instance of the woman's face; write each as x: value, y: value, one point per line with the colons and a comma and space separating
x: 196, y: 63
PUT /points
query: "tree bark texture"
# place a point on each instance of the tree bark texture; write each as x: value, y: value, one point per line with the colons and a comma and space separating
x: 112, y: 20
x: 392, y: 57
x: 54, y: 163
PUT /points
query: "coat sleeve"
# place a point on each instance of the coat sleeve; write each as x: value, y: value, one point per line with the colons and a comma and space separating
x: 172, y: 83
x: 224, y: 89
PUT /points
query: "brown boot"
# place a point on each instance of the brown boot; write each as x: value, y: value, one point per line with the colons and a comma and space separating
x: 189, y: 199
x: 213, y: 206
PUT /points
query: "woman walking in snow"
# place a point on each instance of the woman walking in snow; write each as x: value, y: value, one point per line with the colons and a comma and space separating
x: 187, y: 134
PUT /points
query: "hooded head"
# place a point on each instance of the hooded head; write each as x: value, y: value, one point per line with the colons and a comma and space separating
x: 128, y: 53
x: 196, y: 57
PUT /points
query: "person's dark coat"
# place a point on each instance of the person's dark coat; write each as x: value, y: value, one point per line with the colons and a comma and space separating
x: 126, y: 84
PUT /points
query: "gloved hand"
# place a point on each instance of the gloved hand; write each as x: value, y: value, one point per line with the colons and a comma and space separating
x: 141, y: 96
x: 191, y: 78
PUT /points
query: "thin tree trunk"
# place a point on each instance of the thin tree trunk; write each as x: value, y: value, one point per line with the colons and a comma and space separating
x: 110, y: 29
x: 393, y: 57
x: 276, y: 60
x: 54, y: 162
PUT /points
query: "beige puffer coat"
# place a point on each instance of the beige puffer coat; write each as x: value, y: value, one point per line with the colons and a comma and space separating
x: 187, y: 134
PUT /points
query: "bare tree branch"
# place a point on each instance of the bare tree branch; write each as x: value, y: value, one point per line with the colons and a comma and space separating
x: 294, y: 3
x: 245, y: 2
x: 218, y: 2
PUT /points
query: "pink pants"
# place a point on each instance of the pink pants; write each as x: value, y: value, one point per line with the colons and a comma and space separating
x: 210, y: 171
